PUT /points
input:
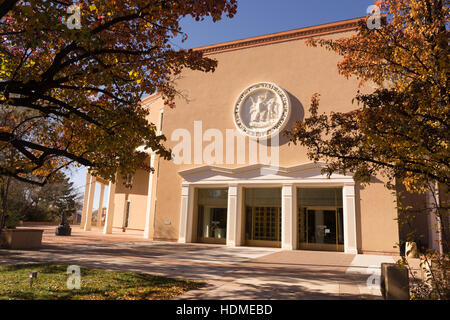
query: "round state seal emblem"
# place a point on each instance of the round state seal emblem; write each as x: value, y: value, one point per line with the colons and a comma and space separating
x: 262, y: 110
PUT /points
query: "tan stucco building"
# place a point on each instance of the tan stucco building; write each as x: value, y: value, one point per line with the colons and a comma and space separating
x: 235, y: 180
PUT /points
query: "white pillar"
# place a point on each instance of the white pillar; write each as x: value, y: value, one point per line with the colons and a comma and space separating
x: 349, y: 208
x: 85, y: 199
x: 100, y: 206
x: 186, y: 212
x: 288, y: 217
x: 107, y: 229
x: 148, y: 212
x: 234, y: 216
x: 87, y: 225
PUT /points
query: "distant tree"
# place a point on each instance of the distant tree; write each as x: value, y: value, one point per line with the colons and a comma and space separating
x: 28, y: 202
x: 52, y: 200
x: 70, y: 92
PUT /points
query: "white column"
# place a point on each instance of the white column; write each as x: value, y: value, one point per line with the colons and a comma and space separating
x: 148, y: 212
x: 349, y: 208
x: 288, y: 217
x: 107, y: 229
x: 234, y: 216
x: 186, y: 212
x: 85, y: 199
x: 87, y: 225
x: 100, y: 206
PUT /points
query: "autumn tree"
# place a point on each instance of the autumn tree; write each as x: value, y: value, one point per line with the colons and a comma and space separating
x: 70, y: 88
x: 400, y: 129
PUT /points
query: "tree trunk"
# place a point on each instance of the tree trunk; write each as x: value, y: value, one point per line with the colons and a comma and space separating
x: 443, y: 215
x: 4, y: 196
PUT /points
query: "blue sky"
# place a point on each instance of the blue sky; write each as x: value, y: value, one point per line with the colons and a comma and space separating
x: 259, y: 17
x: 254, y: 18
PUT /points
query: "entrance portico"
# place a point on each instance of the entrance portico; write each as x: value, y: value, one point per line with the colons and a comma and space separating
x: 288, y: 180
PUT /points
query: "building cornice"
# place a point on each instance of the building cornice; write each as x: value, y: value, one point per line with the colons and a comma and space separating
x: 296, y: 34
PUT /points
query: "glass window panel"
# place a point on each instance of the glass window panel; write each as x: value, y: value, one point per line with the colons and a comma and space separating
x: 270, y: 197
x: 213, y: 197
x: 319, y: 197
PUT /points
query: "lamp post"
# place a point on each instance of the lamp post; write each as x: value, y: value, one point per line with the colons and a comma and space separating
x: 33, y: 275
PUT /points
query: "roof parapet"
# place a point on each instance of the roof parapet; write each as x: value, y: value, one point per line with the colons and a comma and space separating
x: 296, y: 34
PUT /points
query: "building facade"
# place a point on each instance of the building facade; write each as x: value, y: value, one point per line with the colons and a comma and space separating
x: 235, y: 179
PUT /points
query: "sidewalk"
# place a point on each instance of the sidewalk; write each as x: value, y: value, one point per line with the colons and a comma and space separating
x: 79, y: 236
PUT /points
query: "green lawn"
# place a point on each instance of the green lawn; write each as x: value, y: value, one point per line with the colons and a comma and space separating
x: 51, y: 284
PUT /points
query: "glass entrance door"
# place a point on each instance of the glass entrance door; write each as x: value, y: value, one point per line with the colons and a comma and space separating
x: 320, y: 219
x: 212, y: 215
x: 321, y: 229
x: 212, y: 224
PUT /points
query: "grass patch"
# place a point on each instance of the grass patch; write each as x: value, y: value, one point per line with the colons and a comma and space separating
x: 96, y: 284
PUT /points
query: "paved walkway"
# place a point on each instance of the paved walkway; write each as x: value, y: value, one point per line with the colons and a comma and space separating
x: 95, y: 236
x: 229, y: 273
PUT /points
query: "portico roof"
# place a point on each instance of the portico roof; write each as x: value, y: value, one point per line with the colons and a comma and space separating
x: 310, y: 171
